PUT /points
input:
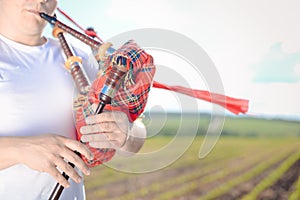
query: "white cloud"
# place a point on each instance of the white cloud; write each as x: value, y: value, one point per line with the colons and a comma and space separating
x: 297, y: 70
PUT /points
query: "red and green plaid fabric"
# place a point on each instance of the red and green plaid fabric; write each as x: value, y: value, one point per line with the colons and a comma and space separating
x: 132, y: 95
x: 131, y: 98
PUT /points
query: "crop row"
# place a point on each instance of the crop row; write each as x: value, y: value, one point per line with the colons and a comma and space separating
x: 248, y: 175
x: 275, y: 175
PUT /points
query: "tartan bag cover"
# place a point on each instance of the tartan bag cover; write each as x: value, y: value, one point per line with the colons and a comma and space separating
x: 131, y: 97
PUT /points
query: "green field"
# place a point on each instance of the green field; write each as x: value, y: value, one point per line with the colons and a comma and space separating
x: 253, y: 159
x: 233, y: 126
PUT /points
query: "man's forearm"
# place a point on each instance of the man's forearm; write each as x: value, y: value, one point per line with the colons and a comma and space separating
x: 136, y: 139
x: 8, y: 153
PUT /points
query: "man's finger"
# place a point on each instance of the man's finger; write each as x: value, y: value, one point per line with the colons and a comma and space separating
x: 102, y: 144
x: 77, y: 161
x: 53, y: 171
x: 99, y: 128
x: 68, y: 169
x: 115, y: 116
x: 79, y: 147
x: 100, y: 137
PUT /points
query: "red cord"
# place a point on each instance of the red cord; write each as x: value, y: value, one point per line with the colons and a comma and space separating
x: 234, y: 105
x: 90, y: 33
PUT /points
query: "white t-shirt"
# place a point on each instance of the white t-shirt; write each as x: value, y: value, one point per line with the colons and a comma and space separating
x: 36, y: 97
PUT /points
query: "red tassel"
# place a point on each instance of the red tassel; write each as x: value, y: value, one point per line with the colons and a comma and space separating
x: 234, y: 105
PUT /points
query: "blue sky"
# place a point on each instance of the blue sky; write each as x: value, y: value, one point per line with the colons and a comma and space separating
x: 254, y: 44
x: 277, y: 66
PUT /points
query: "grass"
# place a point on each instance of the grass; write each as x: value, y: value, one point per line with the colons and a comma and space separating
x: 227, y: 150
x: 253, y: 139
x: 161, y: 124
x: 295, y: 195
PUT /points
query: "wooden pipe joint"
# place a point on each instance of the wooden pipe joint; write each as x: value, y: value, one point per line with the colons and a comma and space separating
x: 71, y: 60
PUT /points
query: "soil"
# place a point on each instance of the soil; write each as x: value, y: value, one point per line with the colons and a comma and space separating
x: 282, y: 188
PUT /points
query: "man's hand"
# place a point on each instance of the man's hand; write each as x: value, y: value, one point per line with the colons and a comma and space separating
x: 106, y: 130
x: 47, y: 152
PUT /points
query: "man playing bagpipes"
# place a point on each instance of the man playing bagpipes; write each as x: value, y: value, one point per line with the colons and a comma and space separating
x: 38, y: 135
x: 39, y: 138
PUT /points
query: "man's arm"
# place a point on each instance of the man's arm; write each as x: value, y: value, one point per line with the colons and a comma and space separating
x: 135, y: 139
x: 45, y: 153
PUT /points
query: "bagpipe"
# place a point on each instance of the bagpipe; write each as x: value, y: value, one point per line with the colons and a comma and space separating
x: 124, y: 84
